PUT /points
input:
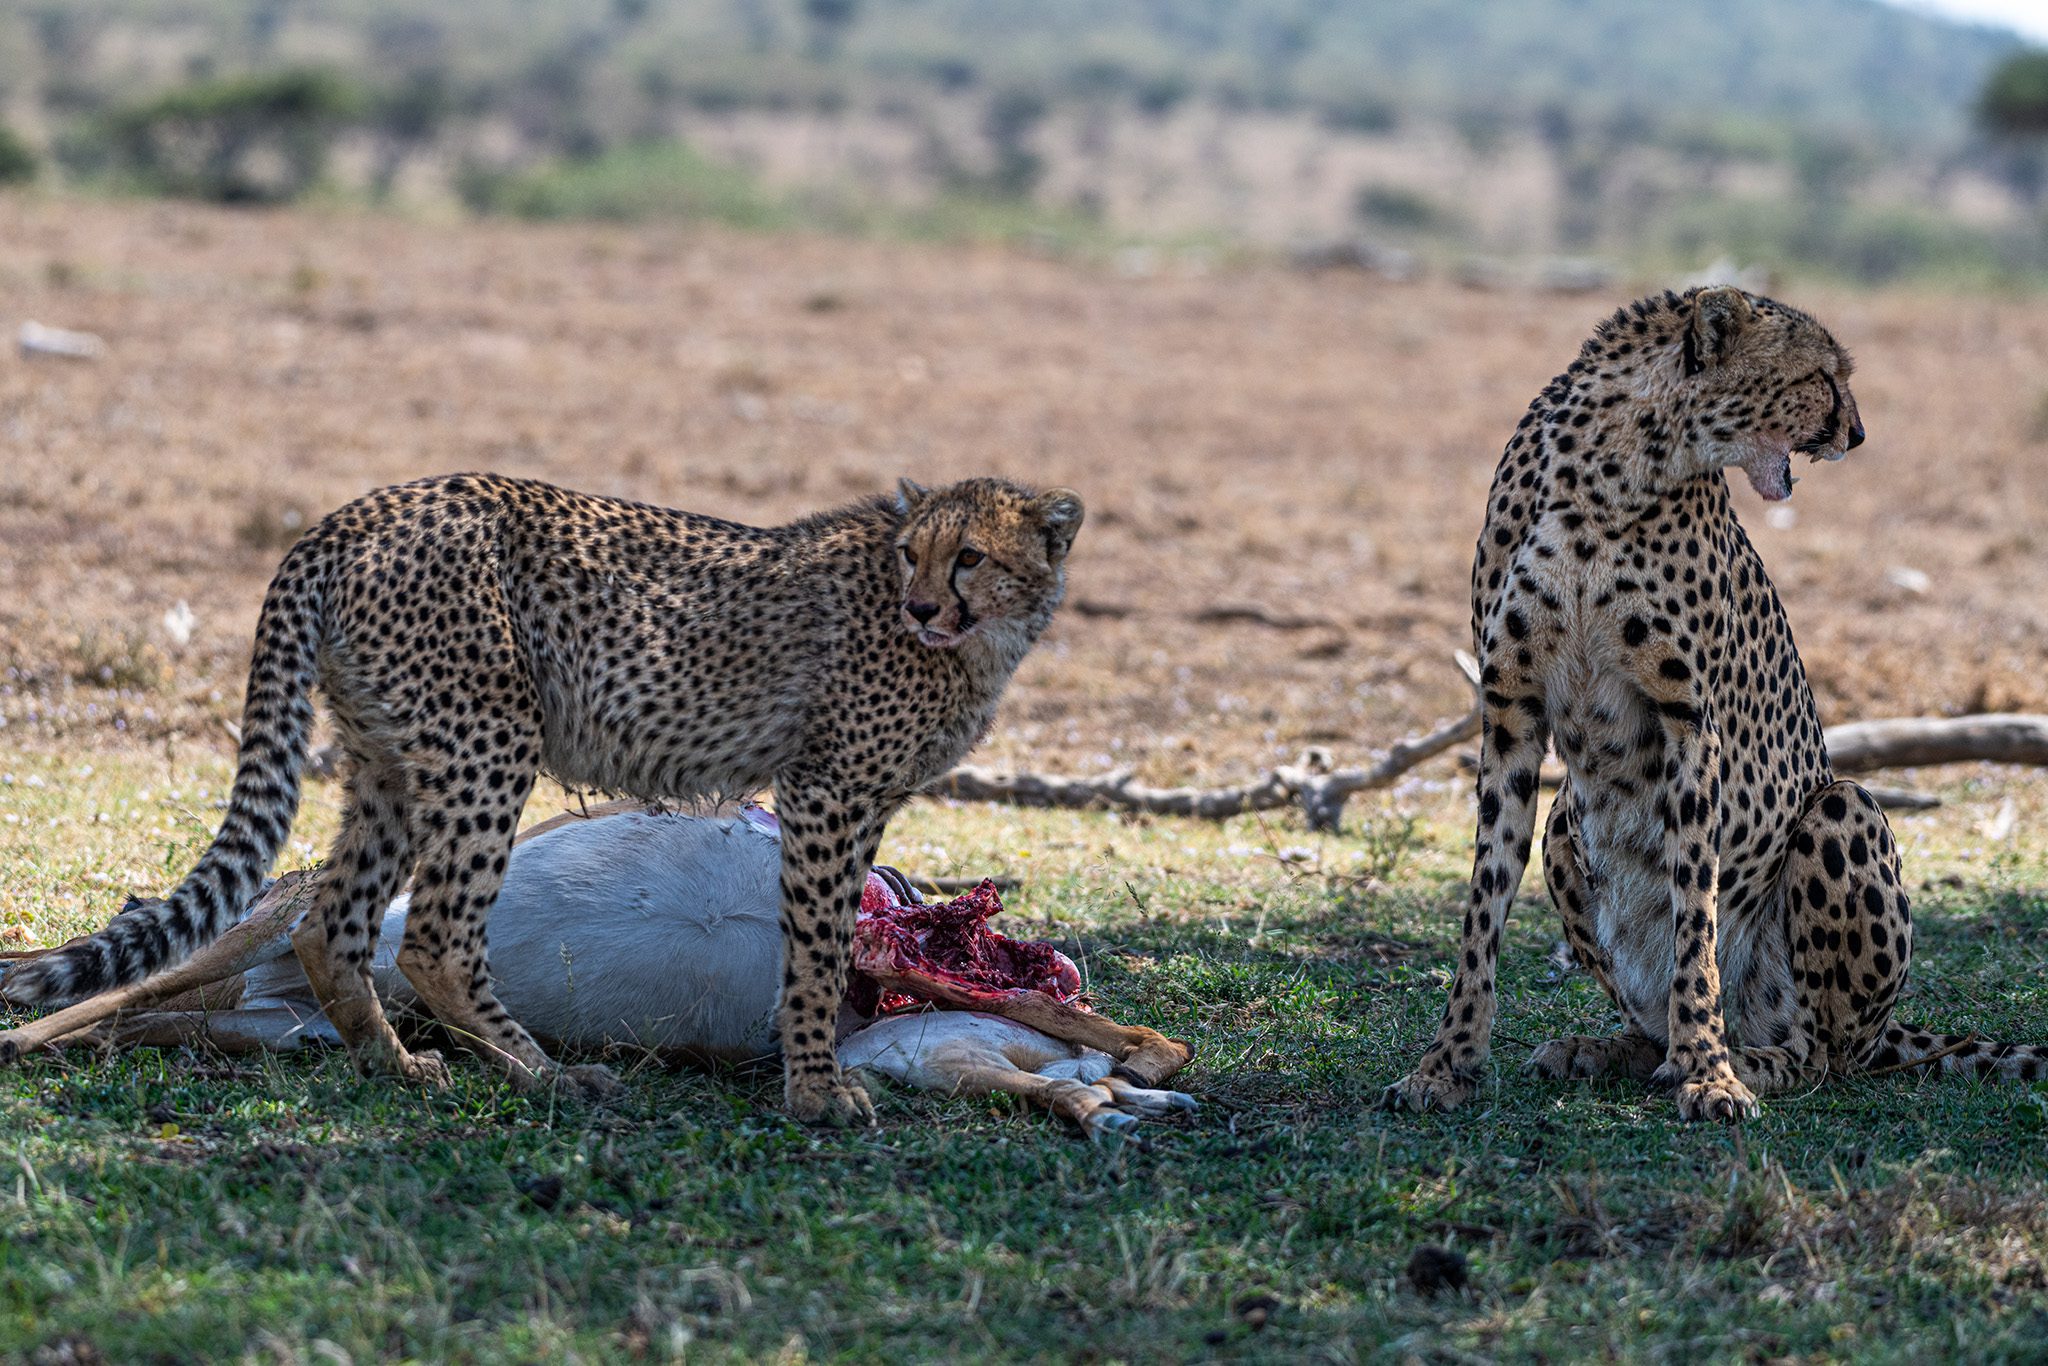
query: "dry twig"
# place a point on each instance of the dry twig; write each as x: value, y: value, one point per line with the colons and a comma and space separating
x: 1319, y: 789
x: 1970, y: 1040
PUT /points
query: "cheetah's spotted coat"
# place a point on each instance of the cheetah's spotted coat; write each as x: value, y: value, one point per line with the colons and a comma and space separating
x: 472, y: 631
x: 1741, y: 906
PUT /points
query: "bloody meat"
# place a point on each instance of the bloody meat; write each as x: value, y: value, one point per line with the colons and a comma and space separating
x: 908, y: 956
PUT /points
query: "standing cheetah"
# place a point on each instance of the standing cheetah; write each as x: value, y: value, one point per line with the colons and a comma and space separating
x: 472, y: 631
x: 1741, y: 906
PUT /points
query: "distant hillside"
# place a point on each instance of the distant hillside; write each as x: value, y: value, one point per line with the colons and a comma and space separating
x: 1846, y: 64
x: 1830, y: 133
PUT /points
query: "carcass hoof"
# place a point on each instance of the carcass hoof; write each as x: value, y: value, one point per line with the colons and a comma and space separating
x: 592, y: 1083
x: 1152, y: 1103
x: 1112, y: 1128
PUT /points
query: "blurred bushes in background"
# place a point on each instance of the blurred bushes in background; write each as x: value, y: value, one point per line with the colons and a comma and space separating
x: 264, y: 137
x: 18, y: 161
x: 1836, y: 136
x: 259, y: 138
x: 641, y: 180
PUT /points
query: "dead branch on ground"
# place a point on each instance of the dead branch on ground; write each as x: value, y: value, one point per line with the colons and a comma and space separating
x: 181, y: 987
x: 1319, y: 789
x: 1917, y: 741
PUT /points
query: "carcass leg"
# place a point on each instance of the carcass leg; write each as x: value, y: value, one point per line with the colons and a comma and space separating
x: 228, y: 957
x: 975, y: 1055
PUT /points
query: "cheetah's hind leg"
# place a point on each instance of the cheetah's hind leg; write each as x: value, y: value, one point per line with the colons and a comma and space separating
x: 1851, y: 934
x: 463, y: 834
x: 1854, y: 859
x: 1581, y: 1057
x: 338, y: 936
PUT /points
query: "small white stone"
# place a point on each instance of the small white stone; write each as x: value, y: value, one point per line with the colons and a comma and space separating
x: 180, y: 622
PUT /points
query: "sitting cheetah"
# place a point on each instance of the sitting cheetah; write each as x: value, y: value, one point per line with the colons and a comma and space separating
x: 472, y: 631
x: 1740, y: 906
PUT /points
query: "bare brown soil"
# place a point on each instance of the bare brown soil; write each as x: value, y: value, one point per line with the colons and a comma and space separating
x: 1317, y: 447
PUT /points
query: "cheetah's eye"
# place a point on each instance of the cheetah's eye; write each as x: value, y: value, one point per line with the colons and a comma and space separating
x: 909, y: 556
x: 970, y: 558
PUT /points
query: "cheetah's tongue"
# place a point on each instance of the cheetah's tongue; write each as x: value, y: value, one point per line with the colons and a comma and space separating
x: 1770, y: 474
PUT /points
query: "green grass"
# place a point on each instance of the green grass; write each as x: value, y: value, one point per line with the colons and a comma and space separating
x: 662, y: 180
x: 1851, y: 243
x: 178, y: 1207
x: 633, y: 183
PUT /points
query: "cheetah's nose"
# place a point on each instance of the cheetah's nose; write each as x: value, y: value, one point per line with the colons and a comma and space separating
x: 922, y: 612
x: 1855, y: 436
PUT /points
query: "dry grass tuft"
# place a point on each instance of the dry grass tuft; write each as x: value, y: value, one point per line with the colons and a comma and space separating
x: 116, y: 657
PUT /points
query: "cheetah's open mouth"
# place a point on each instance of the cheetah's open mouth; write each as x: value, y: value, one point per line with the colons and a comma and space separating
x: 1769, y: 468
x: 941, y: 640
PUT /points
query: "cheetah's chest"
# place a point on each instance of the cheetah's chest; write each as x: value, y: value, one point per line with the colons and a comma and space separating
x: 1616, y: 746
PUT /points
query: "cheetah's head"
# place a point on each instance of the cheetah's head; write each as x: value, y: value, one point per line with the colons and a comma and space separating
x: 1767, y: 381
x: 982, y: 557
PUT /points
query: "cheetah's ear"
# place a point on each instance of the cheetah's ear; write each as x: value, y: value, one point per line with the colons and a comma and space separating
x: 1719, y: 316
x: 1062, y: 510
x: 909, y: 495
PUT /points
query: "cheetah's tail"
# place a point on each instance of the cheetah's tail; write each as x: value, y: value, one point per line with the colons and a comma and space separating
x: 1909, y: 1046
x: 277, y: 719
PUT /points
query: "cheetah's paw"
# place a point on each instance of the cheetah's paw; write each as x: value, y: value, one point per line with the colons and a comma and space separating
x: 1723, y: 1098
x: 1429, y: 1090
x: 426, y: 1068
x: 1580, y: 1057
x: 834, y: 1100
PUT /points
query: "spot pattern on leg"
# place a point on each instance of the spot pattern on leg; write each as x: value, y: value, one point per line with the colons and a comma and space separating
x: 338, y: 938
x: 828, y: 842
x: 1510, y: 749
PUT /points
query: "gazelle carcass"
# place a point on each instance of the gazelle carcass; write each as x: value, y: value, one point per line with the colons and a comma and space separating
x: 661, y: 931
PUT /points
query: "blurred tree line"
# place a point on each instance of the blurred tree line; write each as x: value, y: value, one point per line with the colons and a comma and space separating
x: 589, y: 107
x: 2014, y: 110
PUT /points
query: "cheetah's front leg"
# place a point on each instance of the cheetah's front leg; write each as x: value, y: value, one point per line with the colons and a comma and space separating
x: 1631, y: 1053
x: 1510, y: 748
x: 1696, y: 1059
x: 827, y: 843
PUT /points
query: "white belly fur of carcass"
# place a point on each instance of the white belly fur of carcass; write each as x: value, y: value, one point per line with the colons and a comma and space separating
x: 665, y: 932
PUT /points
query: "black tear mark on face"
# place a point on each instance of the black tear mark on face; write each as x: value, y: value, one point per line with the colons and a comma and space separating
x: 968, y: 620
x: 1689, y: 355
x: 1824, y: 440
